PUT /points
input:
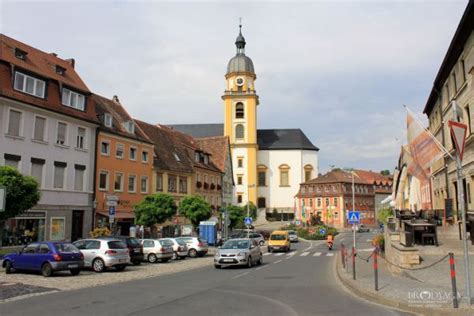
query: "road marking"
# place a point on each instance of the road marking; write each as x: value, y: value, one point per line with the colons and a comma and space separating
x: 316, y: 254
x: 279, y: 254
x: 366, y: 249
x: 304, y: 254
x: 329, y: 254
x: 267, y: 254
x: 260, y: 268
x: 368, y: 240
x: 241, y: 275
x: 291, y: 254
x: 278, y: 261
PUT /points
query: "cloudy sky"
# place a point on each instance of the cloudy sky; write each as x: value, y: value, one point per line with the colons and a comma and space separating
x: 339, y: 70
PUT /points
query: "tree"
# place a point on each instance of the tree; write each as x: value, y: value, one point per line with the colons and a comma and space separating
x: 383, y: 214
x: 252, y: 210
x: 385, y: 172
x: 236, y: 216
x: 155, y: 209
x: 196, y: 209
x: 22, y: 194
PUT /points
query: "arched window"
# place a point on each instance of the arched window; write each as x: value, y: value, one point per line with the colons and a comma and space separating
x: 308, y: 172
x: 284, y: 175
x: 239, y: 110
x: 262, y: 175
x: 261, y: 202
x: 239, y: 131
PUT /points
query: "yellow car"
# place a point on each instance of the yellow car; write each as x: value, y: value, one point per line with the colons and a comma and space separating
x: 279, y: 240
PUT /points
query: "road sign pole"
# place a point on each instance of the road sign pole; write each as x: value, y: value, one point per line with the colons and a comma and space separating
x: 353, y: 209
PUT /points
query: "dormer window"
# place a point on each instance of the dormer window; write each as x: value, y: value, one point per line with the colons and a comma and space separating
x: 20, y: 54
x: 129, y: 126
x: 73, y: 99
x: 176, y: 157
x: 29, y: 84
x: 196, y: 156
x: 60, y: 70
x: 206, y: 159
x: 107, y: 120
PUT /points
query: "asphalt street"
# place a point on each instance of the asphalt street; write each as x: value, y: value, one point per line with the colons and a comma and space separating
x: 299, y: 283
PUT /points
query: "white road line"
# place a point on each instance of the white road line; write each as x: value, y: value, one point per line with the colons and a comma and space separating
x: 260, y: 268
x: 329, y: 254
x: 279, y: 254
x: 316, y: 254
x: 267, y: 254
x: 241, y: 275
x: 291, y: 254
x: 278, y: 261
x: 368, y: 240
x: 366, y: 249
x: 304, y: 254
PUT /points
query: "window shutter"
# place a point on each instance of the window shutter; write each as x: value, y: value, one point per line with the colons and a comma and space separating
x: 14, y: 123
x: 39, y: 128
x: 61, y: 133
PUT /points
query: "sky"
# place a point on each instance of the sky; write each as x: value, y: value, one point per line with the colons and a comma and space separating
x: 339, y: 70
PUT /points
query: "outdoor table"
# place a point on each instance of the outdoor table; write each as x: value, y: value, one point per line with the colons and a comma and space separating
x: 421, y: 226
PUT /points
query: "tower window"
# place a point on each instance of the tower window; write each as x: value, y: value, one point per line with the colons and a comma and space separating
x: 239, y: 131
x: 239, y: 110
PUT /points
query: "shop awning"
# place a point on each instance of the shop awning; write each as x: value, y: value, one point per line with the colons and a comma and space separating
x: 118, y: 214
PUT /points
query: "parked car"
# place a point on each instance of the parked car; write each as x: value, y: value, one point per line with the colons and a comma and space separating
x: 293, y: 236
x: 196, y: 246
x: 258, y: 238
x: 362, y: 229
x: 45, y: 257
x: 180, y: 249
x: 265, y: 233
x: 238, y: 252
x: 135, y: 249
x: 100, y: 254
x: 279, y: 240
x: 156, y: 250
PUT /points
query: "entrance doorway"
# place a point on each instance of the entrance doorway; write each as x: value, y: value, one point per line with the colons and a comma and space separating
x: 77, y: 225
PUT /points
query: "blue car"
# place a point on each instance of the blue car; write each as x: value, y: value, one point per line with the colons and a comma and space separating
x: 46, y: 257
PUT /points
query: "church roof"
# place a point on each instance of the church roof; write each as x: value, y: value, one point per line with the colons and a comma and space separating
x: 267, y: 139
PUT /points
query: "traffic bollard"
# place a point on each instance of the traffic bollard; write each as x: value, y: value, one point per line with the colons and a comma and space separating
x: 453, y: 280
x: 346, y: 258
x: 353, y: 263
x: 376, y: 270
x: 342, y: 256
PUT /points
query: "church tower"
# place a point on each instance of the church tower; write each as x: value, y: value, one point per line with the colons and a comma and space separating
x: 240, y: 122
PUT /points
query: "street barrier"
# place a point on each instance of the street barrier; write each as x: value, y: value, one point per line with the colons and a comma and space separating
x: 343, y: 249
x: 453, y: 280
x: 376, y: 269
x: 353, y: 263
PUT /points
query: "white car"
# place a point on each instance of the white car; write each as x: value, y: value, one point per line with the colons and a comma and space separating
x: 180, y: 249
x: 196, y: 246
x: 292, y: 236
x: 157, y: 250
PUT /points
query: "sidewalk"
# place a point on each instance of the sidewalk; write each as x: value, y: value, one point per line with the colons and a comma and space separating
x: 425, y: 291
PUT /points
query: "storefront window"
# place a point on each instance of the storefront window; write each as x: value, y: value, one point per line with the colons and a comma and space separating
x: 57, y: 228
x: 23, y: 229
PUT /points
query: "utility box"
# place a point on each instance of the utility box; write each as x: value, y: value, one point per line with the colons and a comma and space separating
x: 208, y: 232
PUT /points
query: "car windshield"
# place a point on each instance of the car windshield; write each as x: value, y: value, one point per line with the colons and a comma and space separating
x: 66, y: 247
x: 277, y: 237
x: 291, y: 232
x: 180, y: 242
x: 236, y: 244
x: 116, y: 244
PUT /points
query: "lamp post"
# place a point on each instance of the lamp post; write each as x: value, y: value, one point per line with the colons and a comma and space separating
x: 351, y: 171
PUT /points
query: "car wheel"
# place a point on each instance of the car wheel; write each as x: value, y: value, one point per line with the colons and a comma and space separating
x: 261, y: 243
x: 175, y: 256
x: 269, y: 250
x: 8, y: 267
x: 152, y: 258
x: 75, y: 271
x: 217, y: 266
x: 98, y: 265
x: 260, y: 261
x: 47, y: 270
x: 249, y: 262
x: 192, y: 253
x: 120, y: 267
x: 182, y: 257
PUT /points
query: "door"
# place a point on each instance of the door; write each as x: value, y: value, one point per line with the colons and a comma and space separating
x: 43, y: 254
x: 77, y: 225
x: 26, y: 258
x: 91, y: 251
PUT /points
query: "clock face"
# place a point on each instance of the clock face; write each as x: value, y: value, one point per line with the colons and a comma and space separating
x: 239, y: 81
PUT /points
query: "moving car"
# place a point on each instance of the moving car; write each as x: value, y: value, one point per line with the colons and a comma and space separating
x: 180, y: 250
x: 100, y: 254
x: 279, y: 240
x: 47, y: 257
x: 293, y: 236
x: 258, y: 238
x: 236, y: 252
x: 363, y: 229
x: 196, y: 246
x: 156, y: 250
x: 135, y: 249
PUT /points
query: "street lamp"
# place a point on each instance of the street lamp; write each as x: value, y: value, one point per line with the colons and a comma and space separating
x: 351, y: 171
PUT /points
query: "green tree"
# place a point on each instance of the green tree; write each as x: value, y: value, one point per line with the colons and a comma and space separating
x: 196, y: 209
x: 22, y: 194
x: 236, y: 216
x: 155, y: 209
x: 252, y: 210
x: 384, y: 213
x: 385, y: 172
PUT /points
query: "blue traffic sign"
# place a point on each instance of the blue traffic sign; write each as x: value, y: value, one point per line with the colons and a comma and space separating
x: 322, y: 231
x: 353, y: 217
x: 111, y: 210
x: 248, y: 221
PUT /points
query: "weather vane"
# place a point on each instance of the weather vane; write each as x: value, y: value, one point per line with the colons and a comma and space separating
x: 240, y: 22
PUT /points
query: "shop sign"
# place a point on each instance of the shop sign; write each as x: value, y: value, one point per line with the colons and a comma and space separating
x: 31, y: 215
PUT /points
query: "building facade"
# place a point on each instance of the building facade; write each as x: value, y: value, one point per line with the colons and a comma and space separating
x: 452, y: 98
x: 47, y: 130
x: 124, y: 164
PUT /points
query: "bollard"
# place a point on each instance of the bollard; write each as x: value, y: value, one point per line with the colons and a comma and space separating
x: 376, y: 270
x: 342, y: 256
x: 453, y: 280
x: 353, y: 263
x: 346, y: 259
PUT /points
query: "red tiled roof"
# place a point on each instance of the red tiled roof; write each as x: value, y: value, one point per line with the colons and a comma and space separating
x: 218, y: 147
x: 374, y: 177
x: 335, y: 176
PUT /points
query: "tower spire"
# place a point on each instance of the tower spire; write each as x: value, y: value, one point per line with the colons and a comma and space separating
x: 240, y: 41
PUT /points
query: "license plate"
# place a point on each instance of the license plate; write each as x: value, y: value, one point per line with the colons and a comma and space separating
x: 72, y: 266
x: 276, y: 247
x: 228, y: 260
x: 122, y: 260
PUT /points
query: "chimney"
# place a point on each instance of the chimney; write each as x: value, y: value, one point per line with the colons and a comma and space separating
x: 71, y: 61
x: 116, y: 99
x: 54, y: 54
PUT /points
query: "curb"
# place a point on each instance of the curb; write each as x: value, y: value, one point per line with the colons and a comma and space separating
x: 379, y: 299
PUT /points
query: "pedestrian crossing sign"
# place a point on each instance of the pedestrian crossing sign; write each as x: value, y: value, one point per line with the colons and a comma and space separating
x: 353, y: 217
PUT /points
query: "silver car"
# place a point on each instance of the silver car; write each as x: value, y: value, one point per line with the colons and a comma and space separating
x: 234, y: 252
x: 196, y: 246
x: 258, y: 238
x: 100, y: 254
x: 180, y: 249
x: 292, y: 236
x: 157, y: 250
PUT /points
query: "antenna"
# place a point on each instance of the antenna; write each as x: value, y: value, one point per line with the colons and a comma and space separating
x: 240, y: 23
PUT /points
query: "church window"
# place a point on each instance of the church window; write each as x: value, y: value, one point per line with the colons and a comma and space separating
x: 308, y: 172
x: 284, y: 175
x: 261, y: 202
x: 239, y: 131
x: 240, y: 162
x: 239, y: 198
x: 239, y: 179
x: 239, y: 110
x: 261, y: 178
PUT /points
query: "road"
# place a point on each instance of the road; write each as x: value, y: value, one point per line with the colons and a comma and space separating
x: 299, y: 283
